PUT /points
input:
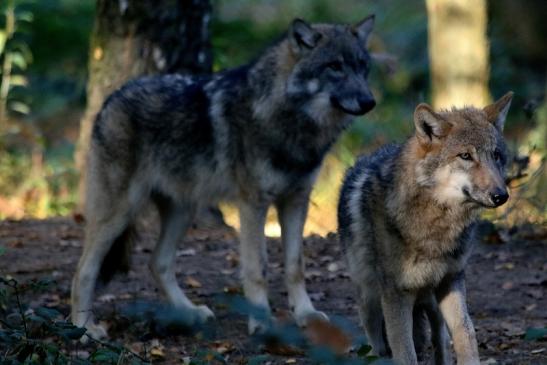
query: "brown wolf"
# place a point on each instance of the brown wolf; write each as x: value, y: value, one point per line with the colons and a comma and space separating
x: 406, y: 218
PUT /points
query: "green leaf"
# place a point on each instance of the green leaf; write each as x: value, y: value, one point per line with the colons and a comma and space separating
x: 258, y: 360
x: 18, y: 80
x: 19, y: 107
x: 364, y: 350
x: 74, y: 333
x: 47, y: 313
x: 26, y: 16
x: 102, y: 356
x: 3, y: 38
x: 18, y: 60
x: 535, y: 333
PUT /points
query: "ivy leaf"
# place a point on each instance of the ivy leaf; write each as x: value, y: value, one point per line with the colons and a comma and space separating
x: 364, y: 350
x: 26, y: 16
x: 18, y: 80
x: 3, y: 38
x: 19, y: 107
x: 18, y: 60
x: 47, y: 313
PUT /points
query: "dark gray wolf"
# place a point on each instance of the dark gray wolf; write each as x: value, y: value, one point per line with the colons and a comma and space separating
x: 255, y: 135
x: 406, y: 218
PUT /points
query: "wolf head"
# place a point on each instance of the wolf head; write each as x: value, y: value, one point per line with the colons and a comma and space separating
x: 331, y: 67
x: 463, y: 154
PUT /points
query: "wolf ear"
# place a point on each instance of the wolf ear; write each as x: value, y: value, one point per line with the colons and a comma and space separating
x: 430, y: 126
x: 363, y: 29
x: 497, y: 112
x: 302, y: 36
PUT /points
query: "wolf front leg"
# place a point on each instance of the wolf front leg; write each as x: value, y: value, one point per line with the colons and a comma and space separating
x: 175, y: 219
x: 253, y: 259
x: 292, y: 210
x: 452, y: 302
x: 397, y: 307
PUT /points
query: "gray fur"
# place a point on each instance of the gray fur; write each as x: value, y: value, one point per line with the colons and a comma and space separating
x: 406, y: 220
x: 255, y: 135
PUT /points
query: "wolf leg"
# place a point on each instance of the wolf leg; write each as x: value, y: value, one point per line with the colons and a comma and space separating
x: 292, y: 212
x: 397, y: 309
x: 101, y: 233
x: 452, y: 302
x: 370, y: 312
x: 439, y: 336
x: 253, y: 258
x: 175, y: 220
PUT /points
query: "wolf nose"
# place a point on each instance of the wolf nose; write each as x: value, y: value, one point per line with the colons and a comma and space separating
x: 499, y: 197
x: 366, y: 104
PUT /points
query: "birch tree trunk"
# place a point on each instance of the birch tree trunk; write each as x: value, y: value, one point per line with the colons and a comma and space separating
x: 458, y: 52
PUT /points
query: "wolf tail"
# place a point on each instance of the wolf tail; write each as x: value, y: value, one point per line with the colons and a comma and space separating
x: 118, y: 258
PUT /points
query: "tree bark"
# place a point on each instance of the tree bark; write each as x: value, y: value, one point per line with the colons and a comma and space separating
x: 132, y: 38
x: 458, y: 52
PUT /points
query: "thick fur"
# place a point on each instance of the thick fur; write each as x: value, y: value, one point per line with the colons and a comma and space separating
x: 255, y: 135
x: 406, y: 219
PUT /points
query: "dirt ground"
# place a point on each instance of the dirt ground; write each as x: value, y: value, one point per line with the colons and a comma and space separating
x: 506, y: 289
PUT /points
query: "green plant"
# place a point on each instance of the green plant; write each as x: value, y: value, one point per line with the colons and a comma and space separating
x: 42, y: 335
x: 15, y: 56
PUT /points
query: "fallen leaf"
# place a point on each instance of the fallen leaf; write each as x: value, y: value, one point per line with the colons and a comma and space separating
x: 323, y: 333
x: 223, y: 347
x: 106, y: 298
x: 505, y: 266
x: 192, y: 283
x: 187, y: 252
x: 78, y: 218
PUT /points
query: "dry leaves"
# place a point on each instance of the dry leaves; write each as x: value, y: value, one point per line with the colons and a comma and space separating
x: 192, y: 283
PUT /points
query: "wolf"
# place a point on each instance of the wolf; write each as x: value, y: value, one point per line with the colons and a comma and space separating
x: 406, y: 219
x: 255, y: 135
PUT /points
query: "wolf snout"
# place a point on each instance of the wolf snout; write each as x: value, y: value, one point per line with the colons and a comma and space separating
x: 499, y: 196
x: 355, y: 105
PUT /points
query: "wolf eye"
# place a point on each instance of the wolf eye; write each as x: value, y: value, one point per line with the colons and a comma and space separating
x: 335, y: 66
x: 465, y: 156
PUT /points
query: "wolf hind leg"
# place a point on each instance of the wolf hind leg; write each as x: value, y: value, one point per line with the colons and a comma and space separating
x: 175, y: 220
x: 103, y: 227
x: 439, y: 333
x: 253, y: 258
x: 372, y: 319
x: 292, y: 211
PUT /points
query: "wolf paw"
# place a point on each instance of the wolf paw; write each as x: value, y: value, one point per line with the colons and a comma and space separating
x: 257, y: 327
x: 95, y: 331
x: 305, y: 317
x: 204, y: 314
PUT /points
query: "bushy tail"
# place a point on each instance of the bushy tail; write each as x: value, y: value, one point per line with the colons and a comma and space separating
x: 118, y: 258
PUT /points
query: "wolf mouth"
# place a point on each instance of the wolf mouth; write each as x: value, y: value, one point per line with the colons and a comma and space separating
x: 470, y: 199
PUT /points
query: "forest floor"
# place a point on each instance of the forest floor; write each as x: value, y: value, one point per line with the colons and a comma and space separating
x: 507, y: 283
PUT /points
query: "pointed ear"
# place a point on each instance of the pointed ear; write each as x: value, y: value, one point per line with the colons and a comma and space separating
x: 497, y: 112
x: 363, y: 29
x: 302, y: 36
x: 430, y: 126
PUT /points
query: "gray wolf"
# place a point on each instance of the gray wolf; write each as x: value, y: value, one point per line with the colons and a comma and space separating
x: 406, y: 218
x: 255, y: 135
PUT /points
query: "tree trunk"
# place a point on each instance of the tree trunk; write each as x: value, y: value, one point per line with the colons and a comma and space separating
x: 458, y: 52
x: 132, y: 38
